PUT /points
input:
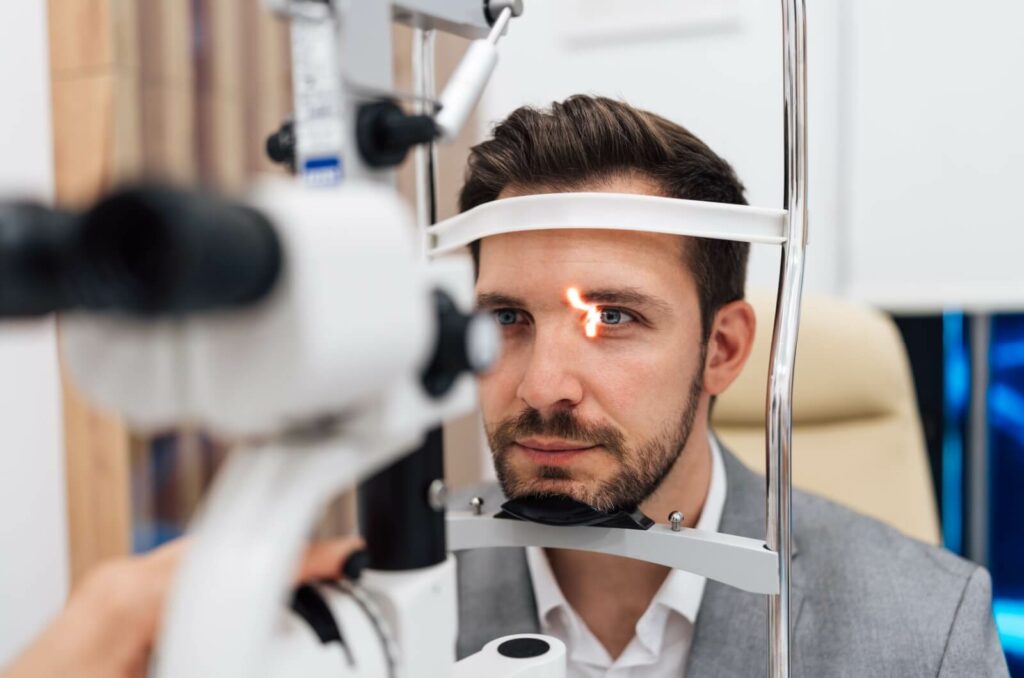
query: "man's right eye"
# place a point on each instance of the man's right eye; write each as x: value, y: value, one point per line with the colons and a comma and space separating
x: 507, y: 316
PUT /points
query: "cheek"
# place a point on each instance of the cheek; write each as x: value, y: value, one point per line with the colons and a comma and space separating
x: 499, y: 386
x: 498, y: 390
x: 643, y: 386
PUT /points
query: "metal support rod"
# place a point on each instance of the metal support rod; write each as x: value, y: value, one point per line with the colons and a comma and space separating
x: 779, y: 425
x: 403, y: 527
x: 977, y: 441
x: 425, y: 159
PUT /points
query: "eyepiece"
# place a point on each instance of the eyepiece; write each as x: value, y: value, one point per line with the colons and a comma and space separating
x: 162, y: 250
x: 465, y: 343
x: 34, y: 246
x: 145, y: 250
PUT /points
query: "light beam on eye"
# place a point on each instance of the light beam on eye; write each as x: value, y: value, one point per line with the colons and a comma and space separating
x: 593, y: 316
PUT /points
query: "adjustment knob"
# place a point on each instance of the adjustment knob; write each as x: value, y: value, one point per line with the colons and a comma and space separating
x: 281, y: 144
x: 465, y: 343
x: 385, y: 133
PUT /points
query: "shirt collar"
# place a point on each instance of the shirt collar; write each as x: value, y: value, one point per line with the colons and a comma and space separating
x: 681, y: 592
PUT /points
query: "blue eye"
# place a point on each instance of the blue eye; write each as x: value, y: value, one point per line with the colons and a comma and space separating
x: 506, y: 316
x: 616, y: 316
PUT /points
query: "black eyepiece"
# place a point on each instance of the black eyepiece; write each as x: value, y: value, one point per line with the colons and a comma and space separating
x: 34, y: 245
x: 144, y: 250
x: 163, y: 250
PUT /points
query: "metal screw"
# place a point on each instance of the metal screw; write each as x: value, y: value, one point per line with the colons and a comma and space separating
x: 478, y: 505
x: 675, y: 519
x: 437, y: 495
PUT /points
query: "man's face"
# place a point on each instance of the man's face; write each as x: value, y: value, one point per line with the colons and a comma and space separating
x: 600, y: 419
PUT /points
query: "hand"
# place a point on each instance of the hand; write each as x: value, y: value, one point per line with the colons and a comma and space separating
x: 109, y: 626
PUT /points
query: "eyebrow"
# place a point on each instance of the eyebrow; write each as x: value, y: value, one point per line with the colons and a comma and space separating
x: 629, y: 296
x: 494, y: 300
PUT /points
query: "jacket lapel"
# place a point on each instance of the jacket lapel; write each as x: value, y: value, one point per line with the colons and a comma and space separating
x: 731, y: 634
x: 496, y: 600
x: 495, y: 591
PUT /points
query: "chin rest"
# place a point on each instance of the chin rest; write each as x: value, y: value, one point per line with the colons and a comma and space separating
x: 561, y: 511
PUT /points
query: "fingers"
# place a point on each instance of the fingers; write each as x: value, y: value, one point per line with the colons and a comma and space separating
x: 163, y: 561
x: 324, y: 560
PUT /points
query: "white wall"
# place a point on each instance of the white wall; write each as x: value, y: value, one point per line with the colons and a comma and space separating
x: 33, y: 532
x: 935, y: 153
x: 715, y: 68
x: 916, y: 124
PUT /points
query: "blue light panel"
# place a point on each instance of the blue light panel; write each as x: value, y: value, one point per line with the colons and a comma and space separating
x: 957, y: 369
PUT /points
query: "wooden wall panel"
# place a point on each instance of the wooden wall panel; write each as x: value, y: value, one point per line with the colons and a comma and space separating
x: 83, y: 137
x: 166, y: 83
x: 89, y: 148
x: 222, y: 138
x: 96, y: 462
x: 267, y: 54
x: 81, y: 34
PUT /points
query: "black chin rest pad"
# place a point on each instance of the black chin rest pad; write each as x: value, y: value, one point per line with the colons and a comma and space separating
x: 559, y: 511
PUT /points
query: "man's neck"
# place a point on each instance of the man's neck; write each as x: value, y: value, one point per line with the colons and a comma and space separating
x: 585, y: 578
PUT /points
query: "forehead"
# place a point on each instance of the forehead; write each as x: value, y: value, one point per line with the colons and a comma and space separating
x: 544, y: 261
x: 540, y: 262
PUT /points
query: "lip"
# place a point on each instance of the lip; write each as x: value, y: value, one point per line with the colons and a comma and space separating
x: 552, y: 445
x: 558, y: 453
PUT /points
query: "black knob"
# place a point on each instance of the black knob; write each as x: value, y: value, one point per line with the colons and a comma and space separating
x: 385, y: 133
x: 354, y: 565
x: 281, y: 144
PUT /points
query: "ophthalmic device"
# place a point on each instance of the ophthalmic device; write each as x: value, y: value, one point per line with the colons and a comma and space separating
x: 328, y: 332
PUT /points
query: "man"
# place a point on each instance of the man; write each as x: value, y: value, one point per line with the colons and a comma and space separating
x: 620, y: 420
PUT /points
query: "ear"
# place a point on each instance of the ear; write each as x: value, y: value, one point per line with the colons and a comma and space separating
x: 729, y: 345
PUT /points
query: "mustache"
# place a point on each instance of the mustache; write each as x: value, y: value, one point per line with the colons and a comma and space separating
x: 561, y: 424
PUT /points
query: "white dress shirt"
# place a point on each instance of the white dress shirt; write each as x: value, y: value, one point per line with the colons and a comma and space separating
x: 664, y: 631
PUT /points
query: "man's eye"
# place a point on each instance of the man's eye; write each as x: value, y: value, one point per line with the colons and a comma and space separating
x: 506, y: 316
x: 616, y: 316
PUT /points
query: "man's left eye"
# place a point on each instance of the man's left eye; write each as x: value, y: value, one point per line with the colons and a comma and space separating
x: 616, y: 316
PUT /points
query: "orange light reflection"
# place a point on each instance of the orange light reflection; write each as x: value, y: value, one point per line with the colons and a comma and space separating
x: 593, y: 312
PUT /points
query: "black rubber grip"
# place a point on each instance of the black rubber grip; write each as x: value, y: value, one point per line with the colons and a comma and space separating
x: 164, y: 250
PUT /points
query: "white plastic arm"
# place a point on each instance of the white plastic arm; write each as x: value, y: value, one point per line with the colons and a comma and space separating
x: 467, y: 83
x: 229, y: 598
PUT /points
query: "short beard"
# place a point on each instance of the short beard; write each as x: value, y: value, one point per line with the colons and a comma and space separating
x: 642, y: 469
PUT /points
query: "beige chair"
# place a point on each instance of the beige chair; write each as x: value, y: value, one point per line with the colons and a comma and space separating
x: 857, y: 439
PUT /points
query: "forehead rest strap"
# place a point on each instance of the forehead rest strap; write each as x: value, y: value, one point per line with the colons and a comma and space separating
x: 618, y: 211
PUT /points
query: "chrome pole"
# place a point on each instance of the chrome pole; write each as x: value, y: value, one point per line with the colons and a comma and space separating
x: 779, y: 415
x: 425, y: 158
x: 977, y: 449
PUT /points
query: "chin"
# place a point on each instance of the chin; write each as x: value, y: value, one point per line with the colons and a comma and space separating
x: 579, y: 490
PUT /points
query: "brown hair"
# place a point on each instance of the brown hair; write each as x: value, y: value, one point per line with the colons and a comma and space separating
x: 586, y: 139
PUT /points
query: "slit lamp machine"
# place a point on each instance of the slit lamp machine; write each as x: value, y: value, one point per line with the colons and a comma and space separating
x: 184, y: 308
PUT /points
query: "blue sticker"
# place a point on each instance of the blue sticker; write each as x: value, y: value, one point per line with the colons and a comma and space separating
x: 322, y: 171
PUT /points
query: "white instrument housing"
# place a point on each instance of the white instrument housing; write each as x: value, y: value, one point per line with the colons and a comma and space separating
x: 351, y: 315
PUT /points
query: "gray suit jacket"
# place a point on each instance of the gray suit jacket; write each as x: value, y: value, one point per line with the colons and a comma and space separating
x: 866, y: 601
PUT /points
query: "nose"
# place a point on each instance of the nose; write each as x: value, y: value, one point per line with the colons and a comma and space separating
x: 551, y: 380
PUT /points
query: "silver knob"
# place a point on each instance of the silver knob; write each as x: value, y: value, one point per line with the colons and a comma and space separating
x: 483, y: 342
x: 437, y: 495
x: 675, y: 520
x: 478, y: 505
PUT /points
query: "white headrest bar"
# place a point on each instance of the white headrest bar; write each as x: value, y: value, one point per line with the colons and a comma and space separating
x: 620, y: 211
